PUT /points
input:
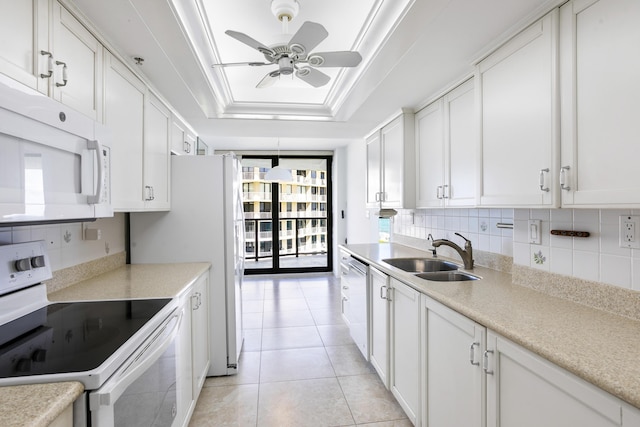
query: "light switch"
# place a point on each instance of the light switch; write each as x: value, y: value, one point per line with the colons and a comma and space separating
x: 535, y: 231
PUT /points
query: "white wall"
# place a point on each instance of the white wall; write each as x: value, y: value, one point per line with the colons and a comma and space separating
x: 66, y: 247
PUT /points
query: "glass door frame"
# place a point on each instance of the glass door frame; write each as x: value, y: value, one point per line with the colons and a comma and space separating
x: 275, y: 219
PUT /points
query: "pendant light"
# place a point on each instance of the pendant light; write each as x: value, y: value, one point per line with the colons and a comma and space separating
x: 277, y: 173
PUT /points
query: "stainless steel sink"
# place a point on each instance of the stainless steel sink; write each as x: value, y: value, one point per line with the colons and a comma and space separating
x: 447, y: 276
x: 420, y: 265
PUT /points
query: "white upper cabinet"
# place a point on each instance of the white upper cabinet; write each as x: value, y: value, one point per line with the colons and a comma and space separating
x: 24, y: 28
x: 600, y: 65
x: 518, y: 105
x: 445, y: 150
x: 124, y: 116
x: 52, y: 52
x: 391, y: 165
x: 183, y: 141
x: 157, y: 133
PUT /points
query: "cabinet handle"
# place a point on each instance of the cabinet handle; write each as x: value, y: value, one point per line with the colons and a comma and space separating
x: 563, y: 181
x: 194, y: 303
x: 388, y: 298
x: 150, y: 195
x: 542, y: 172
x: 381, y: 296
x: 186, y: 147
x: 377, y: 197
x: 438, y: 188
x: 485, y: 362
x: 445, y: 191
x: 472, y: 354
x: 49, y: 64
x: 65, y: 74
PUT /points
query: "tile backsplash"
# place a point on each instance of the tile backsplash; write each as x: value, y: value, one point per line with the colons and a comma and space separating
x: 65, y: 243
x: 478, y: 225
x: 597, y: 258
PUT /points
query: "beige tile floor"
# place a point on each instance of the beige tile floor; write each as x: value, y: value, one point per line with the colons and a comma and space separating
x: 299, y: 366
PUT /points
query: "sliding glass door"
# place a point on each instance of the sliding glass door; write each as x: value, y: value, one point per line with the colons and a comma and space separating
x: 287, y: 223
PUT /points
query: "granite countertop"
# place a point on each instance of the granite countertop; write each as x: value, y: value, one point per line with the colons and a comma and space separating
x: 134, y: 281
x: 38, y: 404
x: 598, y: 346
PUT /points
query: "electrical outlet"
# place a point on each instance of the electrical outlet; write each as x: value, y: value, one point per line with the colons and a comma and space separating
x: 629, y: 227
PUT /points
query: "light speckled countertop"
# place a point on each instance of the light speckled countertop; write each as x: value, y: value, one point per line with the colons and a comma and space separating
x: 36, y: 405
x: 39, y: 404
x: 598, y: 346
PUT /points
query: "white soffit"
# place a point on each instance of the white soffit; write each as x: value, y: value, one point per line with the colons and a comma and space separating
x: 361, y: 25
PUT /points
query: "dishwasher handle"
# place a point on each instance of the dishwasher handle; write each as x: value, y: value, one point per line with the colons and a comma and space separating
x: 358, y: 267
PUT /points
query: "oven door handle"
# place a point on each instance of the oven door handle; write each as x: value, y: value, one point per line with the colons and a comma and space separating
x: 137, y: 364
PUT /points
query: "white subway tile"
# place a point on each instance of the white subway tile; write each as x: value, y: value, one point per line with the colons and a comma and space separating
x: 615, y: 270
x: 507, y: 246
x: 541, y: 214
x: 473, y: 225
x: 495, y: 244
x: 520, y: 231
x: 495, y: 213
x: 493, y: 227
x: 591, y: 216
x: 521, y: 214
x: 484, y: 225
x: 591, y: 243
x: 610, y: 241
x: 562, y: 215
x: 507, y: 214
x: 484, y: 242
x: 561, y: 261
x: 586, y: 265
x: 612, y: 216
x: 521, y: 254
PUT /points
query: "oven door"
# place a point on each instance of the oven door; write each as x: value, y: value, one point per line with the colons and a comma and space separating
x: 143, y: 391
x: 54, y: 163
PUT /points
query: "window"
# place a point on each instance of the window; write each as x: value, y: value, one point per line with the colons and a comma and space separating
x: 301, y: 189
x: 249, y: 247
x: 302, y: 207
x: 265, y: 226
x: 249, y: 226
x: 289, y: 244
x: 246, y: 187
x: 322, y: 175
x: 289, y: 207
x: 323, y: 191
x: 314, y: 190
x: 287, y: 189
x: 314, y: 207
x: 301, y: 173
x: 289, y: 225
x: 323, y: 207
x: 314, y: 239
x: 265, y: 247
x: 314, y: 223
x: 265, y: 207
x: 247, y: 207
x: 247, y: 169
x: 313, y: 174
x: 265, y: 187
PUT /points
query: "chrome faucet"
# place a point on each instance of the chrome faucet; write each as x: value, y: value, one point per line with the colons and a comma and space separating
x: 433, y: 248
x: 466, y: 254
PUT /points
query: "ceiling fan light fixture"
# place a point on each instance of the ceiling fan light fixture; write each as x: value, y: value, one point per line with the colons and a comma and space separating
x: 285, y: 9
x: 278, y: 174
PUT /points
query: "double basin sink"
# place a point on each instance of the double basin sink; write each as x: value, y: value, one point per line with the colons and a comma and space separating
x: 431, y: 269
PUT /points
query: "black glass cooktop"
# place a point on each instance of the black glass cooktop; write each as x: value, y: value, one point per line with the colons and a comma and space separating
x: 71, y: 337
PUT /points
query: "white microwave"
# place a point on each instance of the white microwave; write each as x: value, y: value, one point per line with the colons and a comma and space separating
x: 54, y: 161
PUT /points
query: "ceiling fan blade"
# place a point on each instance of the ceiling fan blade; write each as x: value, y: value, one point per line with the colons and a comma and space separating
x: 334, y: 59
x: 268, y: 80
x: 238, y: 64
x: 312, y: 76
x: 307, y: 37
x: 251, y: 42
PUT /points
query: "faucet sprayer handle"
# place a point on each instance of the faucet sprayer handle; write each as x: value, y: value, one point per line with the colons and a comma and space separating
x: 465, y: 239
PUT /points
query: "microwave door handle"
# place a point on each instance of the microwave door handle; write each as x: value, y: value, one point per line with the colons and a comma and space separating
x: 97, y: 147
x: 111, y: 391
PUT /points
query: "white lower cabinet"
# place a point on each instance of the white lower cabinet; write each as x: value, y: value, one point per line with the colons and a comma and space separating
x: 526, y: 390
x: 453, y: 377
x: 405, y: 348
x: 193, y: 348
x: 379, y: 312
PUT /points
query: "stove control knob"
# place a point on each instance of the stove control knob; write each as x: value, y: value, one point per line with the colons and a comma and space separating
x: 23, y: 264
x: 23, y: 365
x: 39, y: 355
x: 37, y: 261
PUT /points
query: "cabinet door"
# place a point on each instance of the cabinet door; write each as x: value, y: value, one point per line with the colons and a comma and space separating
x: 157, y: 128
x: 517, y: 94
x: 398, y: 162
x: 200, y: 333
x: 23, y: 34
x: 182, y: 141
x: 453, y: 373
x: 430, y: 156
x: 374, y: 159
x: 77, y: 76
x: 405, y: 348
x: 600, y: 65
x: 379, y: 345
x: 525, y: 390
x: 124, y: 116
x: 460, y: 153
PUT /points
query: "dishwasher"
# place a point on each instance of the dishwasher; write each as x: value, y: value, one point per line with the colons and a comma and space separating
x: 358, y: 315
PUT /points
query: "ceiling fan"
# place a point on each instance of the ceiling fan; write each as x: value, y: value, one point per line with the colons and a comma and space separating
x: 294, y: 56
